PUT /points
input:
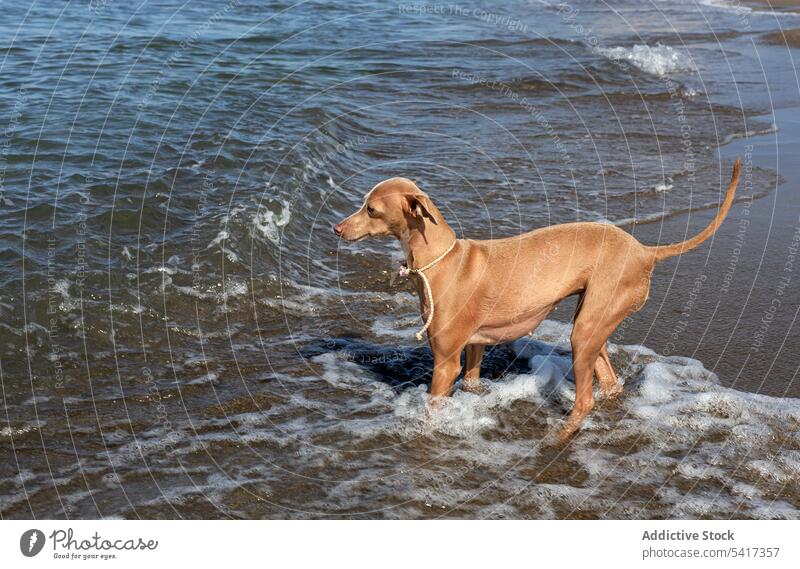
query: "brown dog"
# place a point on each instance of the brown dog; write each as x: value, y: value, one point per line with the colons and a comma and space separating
x: 498, y: 290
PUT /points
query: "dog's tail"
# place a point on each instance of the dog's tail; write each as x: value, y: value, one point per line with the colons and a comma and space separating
x: 666, y: 251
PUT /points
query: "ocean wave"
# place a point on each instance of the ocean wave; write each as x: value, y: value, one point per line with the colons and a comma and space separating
x: 267, y: 223
x: 675, y: 444
x: 660, y: 60
x: 771, y: 129
x: 739, y: 8
x: 220, y: 292
x: 675, y: 425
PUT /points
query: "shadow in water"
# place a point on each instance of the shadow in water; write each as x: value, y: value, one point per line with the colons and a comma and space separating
x: 404, y: 367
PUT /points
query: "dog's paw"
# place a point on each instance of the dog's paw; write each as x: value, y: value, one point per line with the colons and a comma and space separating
x: 562, y: 436
x: 434, y: 405
x: 474, y: 386
x: 612, y: 391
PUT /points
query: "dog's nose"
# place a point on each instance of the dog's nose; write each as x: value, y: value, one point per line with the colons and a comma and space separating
x: 338, y: 228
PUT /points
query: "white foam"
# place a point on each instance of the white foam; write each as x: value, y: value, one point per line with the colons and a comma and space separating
x: 222, y: 235
x: 232, y: 288
x: 22, y: 429
x: 267, y: 223
x: 68, y: 303
x: 394, y: 327
x: 210, y: 377
x: 771, y: 129
x: 740, y: 9
x: 641, y: 219
x: 659, y: 60
x: 676, y: 422
x: 677, y: 443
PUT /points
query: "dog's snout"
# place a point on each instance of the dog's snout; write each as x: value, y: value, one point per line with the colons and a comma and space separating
x: 338, y: 228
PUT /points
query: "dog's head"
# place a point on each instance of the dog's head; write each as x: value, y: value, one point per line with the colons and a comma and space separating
x: 394, y: 207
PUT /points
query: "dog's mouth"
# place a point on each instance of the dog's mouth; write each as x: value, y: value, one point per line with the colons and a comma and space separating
x: 356, y: 239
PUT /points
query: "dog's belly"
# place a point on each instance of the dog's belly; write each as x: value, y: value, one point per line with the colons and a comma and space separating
x: 497, y: 332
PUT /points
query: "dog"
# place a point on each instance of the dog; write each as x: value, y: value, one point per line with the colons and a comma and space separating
x: 475, y: 293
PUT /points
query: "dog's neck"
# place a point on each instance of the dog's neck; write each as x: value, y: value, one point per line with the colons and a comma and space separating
x: 422, y: 246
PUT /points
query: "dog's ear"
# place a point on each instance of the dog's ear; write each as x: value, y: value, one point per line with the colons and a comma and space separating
x: 420, y: 206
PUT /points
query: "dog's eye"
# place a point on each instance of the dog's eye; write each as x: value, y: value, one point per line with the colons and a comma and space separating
x: 371, y: 211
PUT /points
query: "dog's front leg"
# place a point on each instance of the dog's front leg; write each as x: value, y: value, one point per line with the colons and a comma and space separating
x: 446, y: 365
x: 446, y: 368
x: 472, y: 374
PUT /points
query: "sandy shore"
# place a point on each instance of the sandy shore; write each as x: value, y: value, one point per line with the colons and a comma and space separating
x: 790, y: 37
x: 778, y: 5
x: 783, y: 37
x: 733, y: 304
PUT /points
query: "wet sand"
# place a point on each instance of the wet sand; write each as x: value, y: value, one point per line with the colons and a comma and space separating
x: 733, y: 303
x: 790, y: 37
x: 777, y: 5
x: 783, y: 37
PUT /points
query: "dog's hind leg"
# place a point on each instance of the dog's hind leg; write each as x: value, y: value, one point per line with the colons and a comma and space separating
x: 585, y: 351
x: 601, y: 310
x: 605, y: 374
x: 472, y: 373
x: 595, y: 321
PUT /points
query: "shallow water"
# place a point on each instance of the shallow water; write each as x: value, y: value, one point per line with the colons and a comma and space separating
x: 182, y: 335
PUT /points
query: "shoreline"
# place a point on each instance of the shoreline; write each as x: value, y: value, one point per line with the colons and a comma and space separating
x: 732, y: 303
x: 790, y: 38
x: 773, y: 5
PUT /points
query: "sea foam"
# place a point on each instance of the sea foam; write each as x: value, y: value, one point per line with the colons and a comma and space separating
x: 657, y: 60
